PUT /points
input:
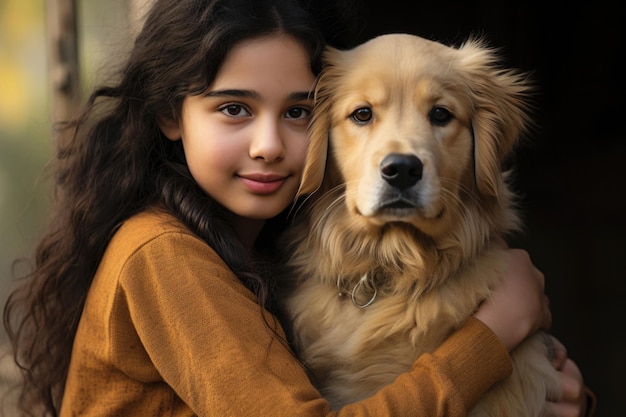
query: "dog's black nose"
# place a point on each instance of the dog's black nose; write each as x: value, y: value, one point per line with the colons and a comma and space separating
x: 401, y: 170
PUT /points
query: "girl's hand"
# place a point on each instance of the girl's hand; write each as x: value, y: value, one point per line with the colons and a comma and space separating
x: 574, y: 402
x: 518, y: 306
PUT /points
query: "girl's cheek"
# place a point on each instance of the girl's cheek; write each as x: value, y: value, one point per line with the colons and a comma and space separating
x: 302, y: 151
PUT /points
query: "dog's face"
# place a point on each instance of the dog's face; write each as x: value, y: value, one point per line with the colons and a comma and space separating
x: 414, y: 129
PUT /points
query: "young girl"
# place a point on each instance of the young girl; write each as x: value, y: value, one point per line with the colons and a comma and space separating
x: 151, y: 295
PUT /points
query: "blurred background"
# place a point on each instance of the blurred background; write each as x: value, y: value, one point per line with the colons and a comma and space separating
x: 104, y: 32
x: 572, y: 176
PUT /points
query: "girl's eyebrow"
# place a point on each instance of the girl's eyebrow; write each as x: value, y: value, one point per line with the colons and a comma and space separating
x: 301, y: 95
x: 296, y: 96
x: 232, y: 93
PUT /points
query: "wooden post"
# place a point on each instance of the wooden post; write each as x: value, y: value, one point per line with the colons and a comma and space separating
x: 63, y: 68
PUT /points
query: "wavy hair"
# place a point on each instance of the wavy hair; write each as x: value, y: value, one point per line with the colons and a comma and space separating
x: 113, y: 161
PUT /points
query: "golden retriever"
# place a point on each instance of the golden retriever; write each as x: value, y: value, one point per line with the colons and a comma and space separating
x: 405, y: 195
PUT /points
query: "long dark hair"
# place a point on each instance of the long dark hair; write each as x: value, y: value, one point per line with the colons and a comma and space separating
x: 113, y: 161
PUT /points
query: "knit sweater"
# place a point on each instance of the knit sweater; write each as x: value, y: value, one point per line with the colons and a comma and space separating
x: 168, y: 330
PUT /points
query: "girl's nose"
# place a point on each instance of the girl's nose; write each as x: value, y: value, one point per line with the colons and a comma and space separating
x: 267, y: 143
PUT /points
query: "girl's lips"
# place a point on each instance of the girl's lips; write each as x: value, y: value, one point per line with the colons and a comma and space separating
x: 263, y: 184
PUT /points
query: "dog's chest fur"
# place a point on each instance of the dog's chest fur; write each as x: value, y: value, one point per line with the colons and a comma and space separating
x: 422, y: 294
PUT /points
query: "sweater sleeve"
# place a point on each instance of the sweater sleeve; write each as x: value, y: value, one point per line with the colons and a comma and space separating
x: 449, y: 381
x: 211, y: 342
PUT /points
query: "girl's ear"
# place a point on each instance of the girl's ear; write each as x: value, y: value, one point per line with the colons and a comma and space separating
x: 170, y: 128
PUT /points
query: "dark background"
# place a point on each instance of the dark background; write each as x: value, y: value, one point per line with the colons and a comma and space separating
x: 572, y: 175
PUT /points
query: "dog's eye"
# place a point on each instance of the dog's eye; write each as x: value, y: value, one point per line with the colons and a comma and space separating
x: 440, y: 116
x: 362, y: 115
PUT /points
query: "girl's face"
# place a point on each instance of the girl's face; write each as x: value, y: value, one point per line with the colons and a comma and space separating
x: 245, y: 138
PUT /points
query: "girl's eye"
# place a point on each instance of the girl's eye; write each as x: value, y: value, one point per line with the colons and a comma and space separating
x: 362, y: 115
x: 234, y: 110
x: 297, y: 113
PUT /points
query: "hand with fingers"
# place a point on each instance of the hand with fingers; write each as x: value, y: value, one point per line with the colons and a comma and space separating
x: 577, y: 400
x: 518, y: 308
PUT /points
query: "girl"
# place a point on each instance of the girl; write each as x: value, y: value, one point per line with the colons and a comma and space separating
x: 151, y: 294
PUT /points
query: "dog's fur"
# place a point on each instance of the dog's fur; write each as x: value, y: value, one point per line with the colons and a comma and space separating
x: 406, y: 196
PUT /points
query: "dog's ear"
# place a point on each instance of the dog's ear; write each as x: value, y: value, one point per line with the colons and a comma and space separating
x: 317, y: 152
x: 500, y: 114
x: 319, y: 129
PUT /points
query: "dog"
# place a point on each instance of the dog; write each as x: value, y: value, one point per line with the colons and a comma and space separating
x: 405, y: 189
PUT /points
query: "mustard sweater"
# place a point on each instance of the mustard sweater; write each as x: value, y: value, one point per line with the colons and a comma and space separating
x: 168, y: 330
